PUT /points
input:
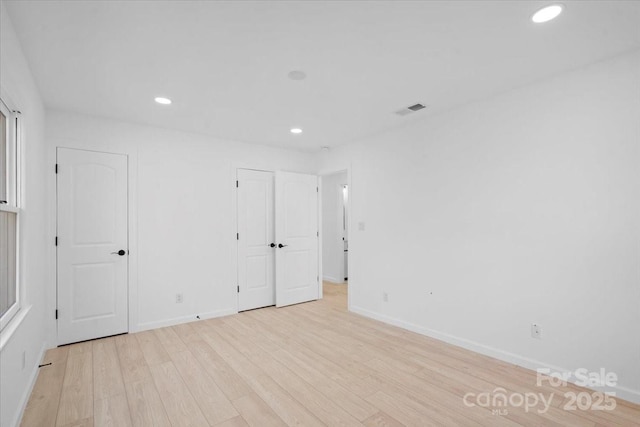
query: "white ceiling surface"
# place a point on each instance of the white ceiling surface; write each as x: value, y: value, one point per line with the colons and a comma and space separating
x: 225, y: 64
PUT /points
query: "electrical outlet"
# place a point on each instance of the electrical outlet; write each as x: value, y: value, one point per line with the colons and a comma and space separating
x: 536, y: 331
x: 385, y: 297
x: 178, y: 298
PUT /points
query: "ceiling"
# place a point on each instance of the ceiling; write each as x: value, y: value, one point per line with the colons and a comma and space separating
x: 225, y: 64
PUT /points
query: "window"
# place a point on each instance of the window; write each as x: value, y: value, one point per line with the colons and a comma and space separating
x: 9, y: 215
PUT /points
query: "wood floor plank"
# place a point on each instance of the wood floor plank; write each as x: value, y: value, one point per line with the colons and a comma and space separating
x: 349, y: 401
x: 153, y: 351
x: 233, y: 422
x: 258, y: 350
x: 212, y: 401
x: 312, y: 400
x: 86, y: 422
x: 380, y: 419
x: 81, y: 347
x: 145, y: 405
x: 282, y: 403
x: 404, y: 413
x: 346, y: 350
x: 225, y: 377
x: 76, y: 399
x: 112, y: 410
x: 186, y: 332
x: 256, y: 412
x: 462, y: 384
x: 310, y: 364
x: 107, y: 376
x: 437, y: 401
x: 180, y: 405
x: 132, y: 362
x: 170, y: 340
x: 332, y: 364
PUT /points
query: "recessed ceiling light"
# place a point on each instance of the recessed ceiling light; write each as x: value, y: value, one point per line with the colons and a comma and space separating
x: 547, y: 13
x: 297, y: 75
x: 296, y: 130
x: 163, y: 101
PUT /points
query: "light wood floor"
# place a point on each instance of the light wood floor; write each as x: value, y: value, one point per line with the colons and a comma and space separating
x: 308, y: 365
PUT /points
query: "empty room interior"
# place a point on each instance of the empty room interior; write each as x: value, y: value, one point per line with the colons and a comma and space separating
x: 319, y: 213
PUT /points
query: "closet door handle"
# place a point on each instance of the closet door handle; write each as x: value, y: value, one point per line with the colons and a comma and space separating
x: 273, y: 245
x: 121, y: 252
x: 280, y: 245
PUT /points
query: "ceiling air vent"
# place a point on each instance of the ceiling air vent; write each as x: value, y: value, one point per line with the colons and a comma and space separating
x: 410, y: 109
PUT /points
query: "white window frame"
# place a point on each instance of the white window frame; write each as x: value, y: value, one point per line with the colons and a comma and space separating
x: 13, y: 199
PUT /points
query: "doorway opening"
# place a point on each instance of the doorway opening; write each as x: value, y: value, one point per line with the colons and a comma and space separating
x: 335, y: 236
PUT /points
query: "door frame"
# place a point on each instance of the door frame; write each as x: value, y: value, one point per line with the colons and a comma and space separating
x: 233, y: 241
x: 323, y: 173
x: 132, y: 240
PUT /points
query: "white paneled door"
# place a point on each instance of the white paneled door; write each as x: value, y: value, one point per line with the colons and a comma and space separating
x: 92, y: 245
x: 256, y: 242
x: 296, y: 238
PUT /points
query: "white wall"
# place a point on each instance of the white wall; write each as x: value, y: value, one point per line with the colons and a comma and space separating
x: 332, y: 244
x: 183, y: 217
x: 518, y: 209
x: 27, y: 332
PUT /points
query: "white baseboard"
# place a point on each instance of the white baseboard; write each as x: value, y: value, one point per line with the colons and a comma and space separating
x: 184, y: 319
x: 32, y: 382
x: 333, y: 280
x: 525, y: 362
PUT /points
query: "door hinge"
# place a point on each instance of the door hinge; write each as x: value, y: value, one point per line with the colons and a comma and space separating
x: 237, y: 184
x: 238, y: 288
x: 56, y: 240
x: 317, y: 191
x: 56, y: 314
x: 317, y: 233
x: 237, y: 236
x: 56, y: 168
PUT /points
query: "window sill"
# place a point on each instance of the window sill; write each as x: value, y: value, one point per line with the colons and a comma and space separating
x: 7, y: 333
x: 9, y: 208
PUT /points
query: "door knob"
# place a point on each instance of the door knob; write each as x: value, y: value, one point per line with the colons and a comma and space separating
x: 280, y: 245
x: 273, y: 245
x: 121, y: 252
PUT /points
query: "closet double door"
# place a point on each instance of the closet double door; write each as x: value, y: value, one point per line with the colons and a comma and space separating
x: 277, y: 238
